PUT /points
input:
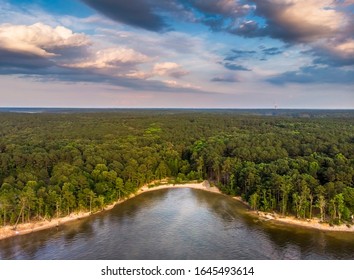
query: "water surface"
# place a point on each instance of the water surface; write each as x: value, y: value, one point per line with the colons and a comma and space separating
x: 178, y: 224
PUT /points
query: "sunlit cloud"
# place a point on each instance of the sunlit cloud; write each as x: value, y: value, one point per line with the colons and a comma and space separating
x: 300, y: 20
x: 169, y: 69
x: 111, y: 58
x: 39, y: 39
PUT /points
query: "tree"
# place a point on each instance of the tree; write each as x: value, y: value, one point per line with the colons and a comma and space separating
x: 266, y: 202
x: 311, y: 205
x: 348, y: 195
x: 200, y: 168
x: 339, y: 201
x: 303, y: 202
x: 28, y: 199
x: 285, y: 189
x: 332, y: 208
x: 296, y: 204
x: 162, y: 171
x: 90, y: 196
x: 254, y: 201
x: 69, y: 199
x: 321, y: 204
x: 7, y: 201
x: 42, y: 208
x: 120, y: 188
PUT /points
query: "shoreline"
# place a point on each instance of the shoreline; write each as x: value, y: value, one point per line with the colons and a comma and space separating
x: 22, y: 229
x: 313, y: 223
x: 26, y: 228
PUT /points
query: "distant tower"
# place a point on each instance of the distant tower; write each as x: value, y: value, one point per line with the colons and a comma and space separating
x: 275, y: 106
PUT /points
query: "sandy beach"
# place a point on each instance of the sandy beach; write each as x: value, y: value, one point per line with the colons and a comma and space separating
x: 314, y: 223
x: 9, y: 231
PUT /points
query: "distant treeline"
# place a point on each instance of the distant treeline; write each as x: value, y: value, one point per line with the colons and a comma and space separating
x: 53, y: 164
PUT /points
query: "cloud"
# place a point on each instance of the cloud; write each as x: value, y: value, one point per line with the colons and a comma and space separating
x: 301, y: 20
x: 58, y: 54
x: 39, y: 39
x: 272, y: 51
x: 325, y: 26
x: 292, y: 21
x: 334, y: 54
x: 246, y: 55
x: 315, y: 75
x: 16, y: 62
x: 226, y: 8
x: 112, y: 58
x: 316, y: 23
x: 247, y: 28
x: 154, y: 15
x: 178, y: 85
x: 139, y: 60
x: 235, y: 67
x: 138, y: 13
x: 219, y: 15
x: 169, y: 69
x: 225, y: 79
x: 236, y: 54
x: 36, y: 46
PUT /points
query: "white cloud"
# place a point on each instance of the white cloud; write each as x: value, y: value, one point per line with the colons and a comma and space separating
x: 175, y: 84
x: 39, y: 39
x: 112, y: 58
x: 139, y: 75
x: 169, y: 69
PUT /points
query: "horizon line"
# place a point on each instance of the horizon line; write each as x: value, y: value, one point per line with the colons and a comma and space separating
x: 172, y: 108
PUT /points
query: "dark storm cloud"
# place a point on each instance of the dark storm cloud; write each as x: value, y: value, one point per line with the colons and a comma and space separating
x: 313, y: 74
x: 138, y: 13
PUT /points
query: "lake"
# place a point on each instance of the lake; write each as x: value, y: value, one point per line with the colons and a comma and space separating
x: 178, y: 224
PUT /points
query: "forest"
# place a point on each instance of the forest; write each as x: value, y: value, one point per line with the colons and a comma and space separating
x: 56, y: 163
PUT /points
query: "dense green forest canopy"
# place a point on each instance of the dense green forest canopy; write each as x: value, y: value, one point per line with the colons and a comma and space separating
x: 56, y: 163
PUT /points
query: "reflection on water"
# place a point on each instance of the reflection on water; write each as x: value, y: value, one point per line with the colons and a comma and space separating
x: 178, y: 224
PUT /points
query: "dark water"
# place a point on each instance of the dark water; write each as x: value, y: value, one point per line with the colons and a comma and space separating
x: 178, y: 224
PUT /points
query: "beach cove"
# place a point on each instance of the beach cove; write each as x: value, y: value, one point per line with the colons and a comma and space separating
x: 21, y: 229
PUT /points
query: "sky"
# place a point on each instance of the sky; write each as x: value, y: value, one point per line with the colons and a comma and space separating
x: 177, y: 53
